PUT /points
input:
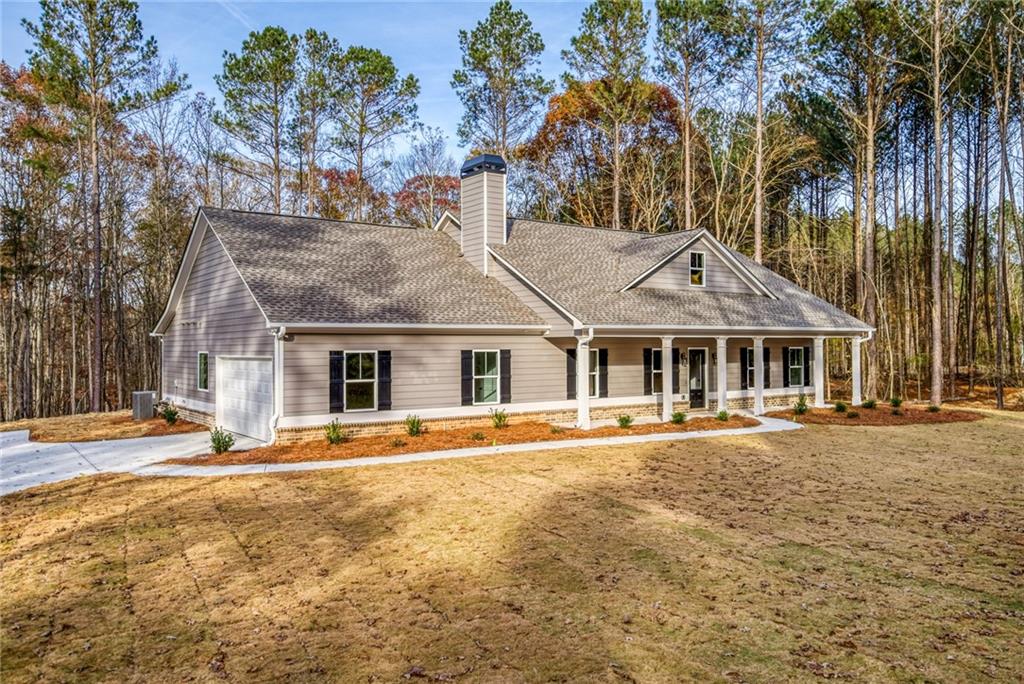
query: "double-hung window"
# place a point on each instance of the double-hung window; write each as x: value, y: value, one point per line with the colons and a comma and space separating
x: 203, y: 371
x: 697, y: 269
x: 796, y: 366
x: 656, y: 370
x: 360, y: 381
x: 595, y: 373
x: 486, y: 377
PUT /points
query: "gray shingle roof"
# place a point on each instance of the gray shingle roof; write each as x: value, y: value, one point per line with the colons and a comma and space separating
x: 584, y: 269
x: 305, y: 270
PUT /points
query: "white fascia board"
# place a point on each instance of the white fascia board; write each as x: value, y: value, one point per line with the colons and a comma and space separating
x: 234, y: 266
x: 576, y: 323
x: 188, y: 260
x: 447, y: 216
x: 484, y: 328
x: 748, y: 330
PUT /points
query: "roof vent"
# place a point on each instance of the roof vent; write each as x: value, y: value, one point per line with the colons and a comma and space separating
x: 481, y: 163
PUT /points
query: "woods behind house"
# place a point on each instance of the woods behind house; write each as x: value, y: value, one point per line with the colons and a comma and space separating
x: 871, y: 151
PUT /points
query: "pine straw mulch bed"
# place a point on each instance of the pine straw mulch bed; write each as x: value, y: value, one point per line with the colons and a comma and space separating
x: 440, y: 440
x: 91, y: 427
x: 880, y: 416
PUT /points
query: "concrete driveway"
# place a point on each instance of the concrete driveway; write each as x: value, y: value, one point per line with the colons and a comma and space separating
x: 25, y: 464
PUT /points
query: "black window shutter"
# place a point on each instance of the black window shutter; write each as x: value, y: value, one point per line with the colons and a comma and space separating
x: 383, y: 380
x: 647, y: 371
x: 675, y: 371
x: 602, y: 371
x: 807, y: 365
x: 744, y: 367
x: 570, y: 373
x: 767, y: 367
x: 505, y: 363
x: 785, y: 366
x: 467, y: 377
x: 337, y: 391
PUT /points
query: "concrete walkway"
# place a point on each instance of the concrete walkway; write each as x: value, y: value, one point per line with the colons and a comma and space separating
x: 767, y: 425
x: 25, y: 464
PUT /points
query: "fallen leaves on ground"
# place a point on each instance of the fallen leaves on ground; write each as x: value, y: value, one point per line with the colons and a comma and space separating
x: 91, y: 427
x: 881, y: 415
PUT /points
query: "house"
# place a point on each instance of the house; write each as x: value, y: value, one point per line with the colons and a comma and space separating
x: 277, y: 325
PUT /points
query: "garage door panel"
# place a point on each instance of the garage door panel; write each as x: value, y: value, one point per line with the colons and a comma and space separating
x: 245, y: 396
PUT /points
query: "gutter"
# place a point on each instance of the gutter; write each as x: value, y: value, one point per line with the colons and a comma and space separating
x: 279, y: 334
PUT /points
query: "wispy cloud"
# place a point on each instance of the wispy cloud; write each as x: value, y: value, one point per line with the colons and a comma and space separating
x: 234, y: 10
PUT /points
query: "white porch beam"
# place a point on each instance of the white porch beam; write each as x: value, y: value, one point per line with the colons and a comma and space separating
x: 758, y: 376
x: 668, y: 372
x: 856, y: 397
x: 583, y: 381
x: 721, y: 370
x: 819, y: 372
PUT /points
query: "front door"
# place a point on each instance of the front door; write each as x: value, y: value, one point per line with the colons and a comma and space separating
x: 698, y: 374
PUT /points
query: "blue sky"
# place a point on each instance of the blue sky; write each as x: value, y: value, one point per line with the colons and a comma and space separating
x: 422, y: 37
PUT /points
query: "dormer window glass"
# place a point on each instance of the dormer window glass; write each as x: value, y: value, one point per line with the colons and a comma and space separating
x: 697, y: 269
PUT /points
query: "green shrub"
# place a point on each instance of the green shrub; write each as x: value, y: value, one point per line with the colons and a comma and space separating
x: 499, y: 419
x: 722, y: 415
x: 478, y: 437
x: 678, y: 417
x: 335, y: 433
x: 852, y: 414
x: 557, y: 429
x: 933, y: 408
x: 896, y: 402
x: 869, y: 404
x: 841, y: 407
x: 801, y: 405
x: 221, y: 440
x: 625, y: 421
x: 398, y: 442
x: 413, y: 425
x: 170, y: 414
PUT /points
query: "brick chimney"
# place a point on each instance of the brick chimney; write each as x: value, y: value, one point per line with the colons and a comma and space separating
x: 482, y: 220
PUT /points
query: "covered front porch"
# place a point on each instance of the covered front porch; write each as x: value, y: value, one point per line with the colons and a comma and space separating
x: 696, y: 372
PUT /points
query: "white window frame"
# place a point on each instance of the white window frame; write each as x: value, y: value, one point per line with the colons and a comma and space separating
x: 656, y: 351
x: 703, y: 270
x: 376, y: 375
x: 595, y: 372
x: 199, y: 355
x: 497, y: 356
x: 792, y: 366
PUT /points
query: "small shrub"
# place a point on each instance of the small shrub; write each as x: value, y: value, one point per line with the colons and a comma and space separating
x: 335, y: 433
x: 678, y: 417
x: 413, y: 425
x: 841, y: 407
x: 801, y: 405
x: 869, y: 404
x: 722, y: 415
x: 398, y: 442
x: 221, y: 440
x: 478, y: 437
x: 932, y: 408
x: 499, y: 419
x: 625, y: 421
x: 897, y: 412
x: 896, y: 402
x: 170, y: 414
x: 852, y: 414
x: 557, y: 429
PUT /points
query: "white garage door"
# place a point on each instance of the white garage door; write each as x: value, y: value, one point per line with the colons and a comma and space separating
x: 245, y: 396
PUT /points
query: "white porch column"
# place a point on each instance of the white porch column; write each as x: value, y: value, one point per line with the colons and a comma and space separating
x: 855, y: 358
x: 758, y: 376
x: 583, y: 382
x: 819, y: 372
x: 668, y: 373
x: 720, y: 368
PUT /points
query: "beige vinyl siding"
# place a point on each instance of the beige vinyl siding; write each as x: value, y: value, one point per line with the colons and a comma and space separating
x: 451, y: 229
x: 733, y: 358
x: 216, y: 314
x: 472, y: 219
x: 718, y: 276
x: 426, y: 370
x: 495, y: 207
x: 560, y: 325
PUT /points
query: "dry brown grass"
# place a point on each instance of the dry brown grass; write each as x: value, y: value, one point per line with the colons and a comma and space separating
x: 825, y: 552
x: 439, y: 440
x: 89, y: 427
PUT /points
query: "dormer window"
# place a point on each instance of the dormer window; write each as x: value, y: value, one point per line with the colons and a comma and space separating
x: 697, y: 269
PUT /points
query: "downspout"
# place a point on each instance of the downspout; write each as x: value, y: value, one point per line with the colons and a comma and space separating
x: 279, y: 334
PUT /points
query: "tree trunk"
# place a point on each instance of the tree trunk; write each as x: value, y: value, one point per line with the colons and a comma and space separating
x: 759, y: 142
x: 936, y: 275
x: 96, y: 395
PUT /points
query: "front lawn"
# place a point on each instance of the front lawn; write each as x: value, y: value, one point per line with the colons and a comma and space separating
x: 828, y: 552
x: 89, y: 427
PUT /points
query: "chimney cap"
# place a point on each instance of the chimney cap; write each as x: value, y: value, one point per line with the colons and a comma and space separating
x: 492, y: 163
